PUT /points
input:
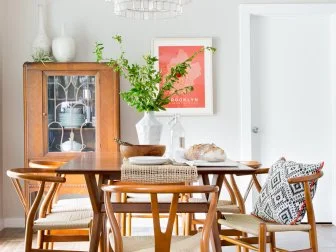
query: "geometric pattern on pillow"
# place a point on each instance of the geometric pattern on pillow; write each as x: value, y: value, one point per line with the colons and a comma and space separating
x: 280, y: 201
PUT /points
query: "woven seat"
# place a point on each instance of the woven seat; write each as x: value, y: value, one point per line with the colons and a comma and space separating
x: 73, y: 204
x: 226, y: 206
x: 64, y: 220
x: 250, y: 224
x: 132, y: 197
x: 146, y: 243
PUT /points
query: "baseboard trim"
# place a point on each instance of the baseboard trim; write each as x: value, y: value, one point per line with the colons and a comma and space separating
x: 1, y: 224
x: 14, y: 222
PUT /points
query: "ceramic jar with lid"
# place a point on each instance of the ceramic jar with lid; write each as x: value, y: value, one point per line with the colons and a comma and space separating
x: 63, y: 47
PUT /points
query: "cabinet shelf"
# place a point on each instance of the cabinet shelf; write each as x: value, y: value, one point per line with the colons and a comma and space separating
x: 63, y: 99
x: 70, y: 128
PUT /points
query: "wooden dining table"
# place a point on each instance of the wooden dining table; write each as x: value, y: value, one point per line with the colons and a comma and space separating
x: 97, y: 168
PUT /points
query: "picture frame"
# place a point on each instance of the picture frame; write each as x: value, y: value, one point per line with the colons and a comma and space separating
x: 171, y: 51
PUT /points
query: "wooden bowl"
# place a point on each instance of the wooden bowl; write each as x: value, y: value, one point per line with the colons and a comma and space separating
x: 142, y: 150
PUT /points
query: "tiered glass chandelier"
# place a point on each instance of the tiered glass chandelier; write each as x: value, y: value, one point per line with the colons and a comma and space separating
x: 149, y: 9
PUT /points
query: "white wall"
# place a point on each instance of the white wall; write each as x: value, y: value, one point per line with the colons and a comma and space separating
x: 2, y: 32
x: 89, y: 21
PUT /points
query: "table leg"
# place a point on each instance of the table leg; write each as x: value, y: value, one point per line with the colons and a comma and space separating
x: 96, y: 200
x: 218, y: 180
x: 205, y: 181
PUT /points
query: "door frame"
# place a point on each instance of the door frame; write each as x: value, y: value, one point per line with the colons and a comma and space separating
x: 280, y: 10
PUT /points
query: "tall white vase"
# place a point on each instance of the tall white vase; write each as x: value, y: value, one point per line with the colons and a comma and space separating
x: 149, y: 129
x: 42, y: 42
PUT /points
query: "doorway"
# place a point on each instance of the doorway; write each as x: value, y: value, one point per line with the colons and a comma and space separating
x: 287, y: 101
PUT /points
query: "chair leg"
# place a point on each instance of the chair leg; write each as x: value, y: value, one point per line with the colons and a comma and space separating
x: 193, y: 226
x: 123, y: 223
x: 45, y: 245
x: 262, y: 237
x: 40, y: 239
x: 245, y: 249
x: 107, y: 239
x: 313, y: 239
x: 28, y: 239
x: 187, y: 224
x: 184, y: 227
x: 238, y: 247
x: 51, y: 246
x: 176, y: 226
x: 129, y: 224
x: 272, y: 244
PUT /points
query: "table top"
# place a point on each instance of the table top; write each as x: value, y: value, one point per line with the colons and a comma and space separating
x: 110, y: 163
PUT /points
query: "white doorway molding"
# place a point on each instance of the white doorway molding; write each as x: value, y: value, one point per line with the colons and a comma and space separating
x: 247, y: 11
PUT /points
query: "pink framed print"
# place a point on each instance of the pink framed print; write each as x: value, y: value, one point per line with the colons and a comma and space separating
x: 171, y: 51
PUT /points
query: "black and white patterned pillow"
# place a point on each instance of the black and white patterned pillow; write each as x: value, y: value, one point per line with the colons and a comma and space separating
x: 280, y: 201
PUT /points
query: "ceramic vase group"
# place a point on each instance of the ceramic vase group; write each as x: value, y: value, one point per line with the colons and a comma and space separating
x: 63, y: 47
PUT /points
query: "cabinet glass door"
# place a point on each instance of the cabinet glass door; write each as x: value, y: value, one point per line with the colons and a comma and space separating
x: 71, y: 113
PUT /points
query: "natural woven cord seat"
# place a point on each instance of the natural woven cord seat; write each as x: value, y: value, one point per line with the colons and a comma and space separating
x: 226, y: 206
x: 132, y: 197
x: 64, y: 220
x: 146, y: 243
x: 250, y: 224
x: 73, y: 204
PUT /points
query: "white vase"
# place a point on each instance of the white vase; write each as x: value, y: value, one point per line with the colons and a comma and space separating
x: 149, y: 129
x: 41, y: 43
x: 64, y: 47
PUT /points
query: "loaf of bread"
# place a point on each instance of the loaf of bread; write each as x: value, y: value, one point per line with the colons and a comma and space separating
x: 206, y: 152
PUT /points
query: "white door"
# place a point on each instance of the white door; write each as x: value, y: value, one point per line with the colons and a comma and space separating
x: 290, y: 92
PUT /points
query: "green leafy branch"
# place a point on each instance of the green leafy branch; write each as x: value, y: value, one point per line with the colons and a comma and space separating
x: 145, y: 94
x: 42, y: 56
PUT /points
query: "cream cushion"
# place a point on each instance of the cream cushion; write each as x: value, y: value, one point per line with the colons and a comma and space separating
x: 283, y: 202
x: 64, y: 220
x: 250, y: 224
x: 75, y: 204
x: 146, y: 243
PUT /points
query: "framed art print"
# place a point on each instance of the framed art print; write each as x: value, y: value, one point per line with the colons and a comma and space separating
x: 171, y: 51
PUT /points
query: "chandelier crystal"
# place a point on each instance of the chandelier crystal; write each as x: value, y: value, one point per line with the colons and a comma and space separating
x: 149, y: 9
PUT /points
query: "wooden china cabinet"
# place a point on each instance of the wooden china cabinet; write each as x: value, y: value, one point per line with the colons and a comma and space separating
x: 69, y: 108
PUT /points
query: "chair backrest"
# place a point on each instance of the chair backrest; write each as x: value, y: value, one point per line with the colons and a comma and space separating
x: 162, y: 239
x: 45, y: 164
x: 232, y: 188
x: 75, y: 184
x: 42, y: 176
x: 306, y: 180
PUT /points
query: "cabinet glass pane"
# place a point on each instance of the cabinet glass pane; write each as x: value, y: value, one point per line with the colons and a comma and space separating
x: 71, y: 113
